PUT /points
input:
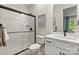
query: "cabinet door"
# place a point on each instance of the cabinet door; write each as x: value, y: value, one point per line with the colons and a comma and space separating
x: 66, y: 53
x: 50, y: 50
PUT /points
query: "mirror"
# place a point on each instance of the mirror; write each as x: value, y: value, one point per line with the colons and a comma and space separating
x: 64, y: 17
x: 69, y: 19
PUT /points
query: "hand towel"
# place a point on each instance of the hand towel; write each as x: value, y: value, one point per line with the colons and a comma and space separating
x: 3, y: 35
x: 6, y: 34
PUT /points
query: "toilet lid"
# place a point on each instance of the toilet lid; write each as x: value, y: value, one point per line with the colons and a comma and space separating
x: 35, y: 46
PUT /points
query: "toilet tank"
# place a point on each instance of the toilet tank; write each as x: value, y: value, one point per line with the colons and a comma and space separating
x: 40, y: 39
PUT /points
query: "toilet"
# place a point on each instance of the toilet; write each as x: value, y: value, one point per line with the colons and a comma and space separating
x: 36, y: 46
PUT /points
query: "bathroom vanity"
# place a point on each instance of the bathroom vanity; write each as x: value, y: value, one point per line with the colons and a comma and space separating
x: 60, y: 45
x: 66, y: 17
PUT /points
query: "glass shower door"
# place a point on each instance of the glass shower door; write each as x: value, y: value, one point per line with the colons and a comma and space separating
x: 20, y: 30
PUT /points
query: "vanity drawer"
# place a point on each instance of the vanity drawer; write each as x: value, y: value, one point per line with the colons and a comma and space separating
x: 63, y: 45
x: 49, y: 41
x: 75, y: 49
x: 67, y: 46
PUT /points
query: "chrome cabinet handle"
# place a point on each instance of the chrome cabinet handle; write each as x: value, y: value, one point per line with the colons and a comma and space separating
x: 63, y: 53
x: 60, y: 53
x: 49, y: 41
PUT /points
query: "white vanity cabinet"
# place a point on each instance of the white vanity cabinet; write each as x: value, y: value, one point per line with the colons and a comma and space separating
x: 66, y: 53
x: 50, y: 49
x: 57, y: 47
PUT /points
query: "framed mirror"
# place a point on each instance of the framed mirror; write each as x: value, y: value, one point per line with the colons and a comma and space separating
x: 69, y: 19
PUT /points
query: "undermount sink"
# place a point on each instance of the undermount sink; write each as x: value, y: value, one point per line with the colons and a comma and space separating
x: 71, y: 38
x: 67, y: 37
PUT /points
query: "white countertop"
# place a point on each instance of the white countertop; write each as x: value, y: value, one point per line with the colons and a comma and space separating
x: 69, y: 39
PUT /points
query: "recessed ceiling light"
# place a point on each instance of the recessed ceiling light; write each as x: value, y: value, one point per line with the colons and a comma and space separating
x: 22, y: 14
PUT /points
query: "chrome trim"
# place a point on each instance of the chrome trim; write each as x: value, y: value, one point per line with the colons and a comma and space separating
x: 19, y: 32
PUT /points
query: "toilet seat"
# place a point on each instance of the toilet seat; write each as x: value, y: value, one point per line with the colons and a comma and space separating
x: 34, y: 46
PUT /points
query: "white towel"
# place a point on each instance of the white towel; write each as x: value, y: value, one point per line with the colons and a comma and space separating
x: 6, y: 35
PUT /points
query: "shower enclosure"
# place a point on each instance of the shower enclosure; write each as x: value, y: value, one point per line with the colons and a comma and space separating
x: 21, y: 28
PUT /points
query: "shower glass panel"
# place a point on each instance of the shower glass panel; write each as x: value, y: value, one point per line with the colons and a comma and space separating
x: 19, y: 28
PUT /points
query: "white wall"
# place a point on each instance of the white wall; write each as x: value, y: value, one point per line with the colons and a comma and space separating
x: 58, y: 14
x: 70, y: 11
x: 20, y: 7
x: 47, y: 9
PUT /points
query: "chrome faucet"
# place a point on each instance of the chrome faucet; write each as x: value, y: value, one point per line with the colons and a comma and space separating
x: 64, y: 32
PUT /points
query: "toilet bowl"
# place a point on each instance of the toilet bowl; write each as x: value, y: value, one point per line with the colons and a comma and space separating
x: 36, y: 46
